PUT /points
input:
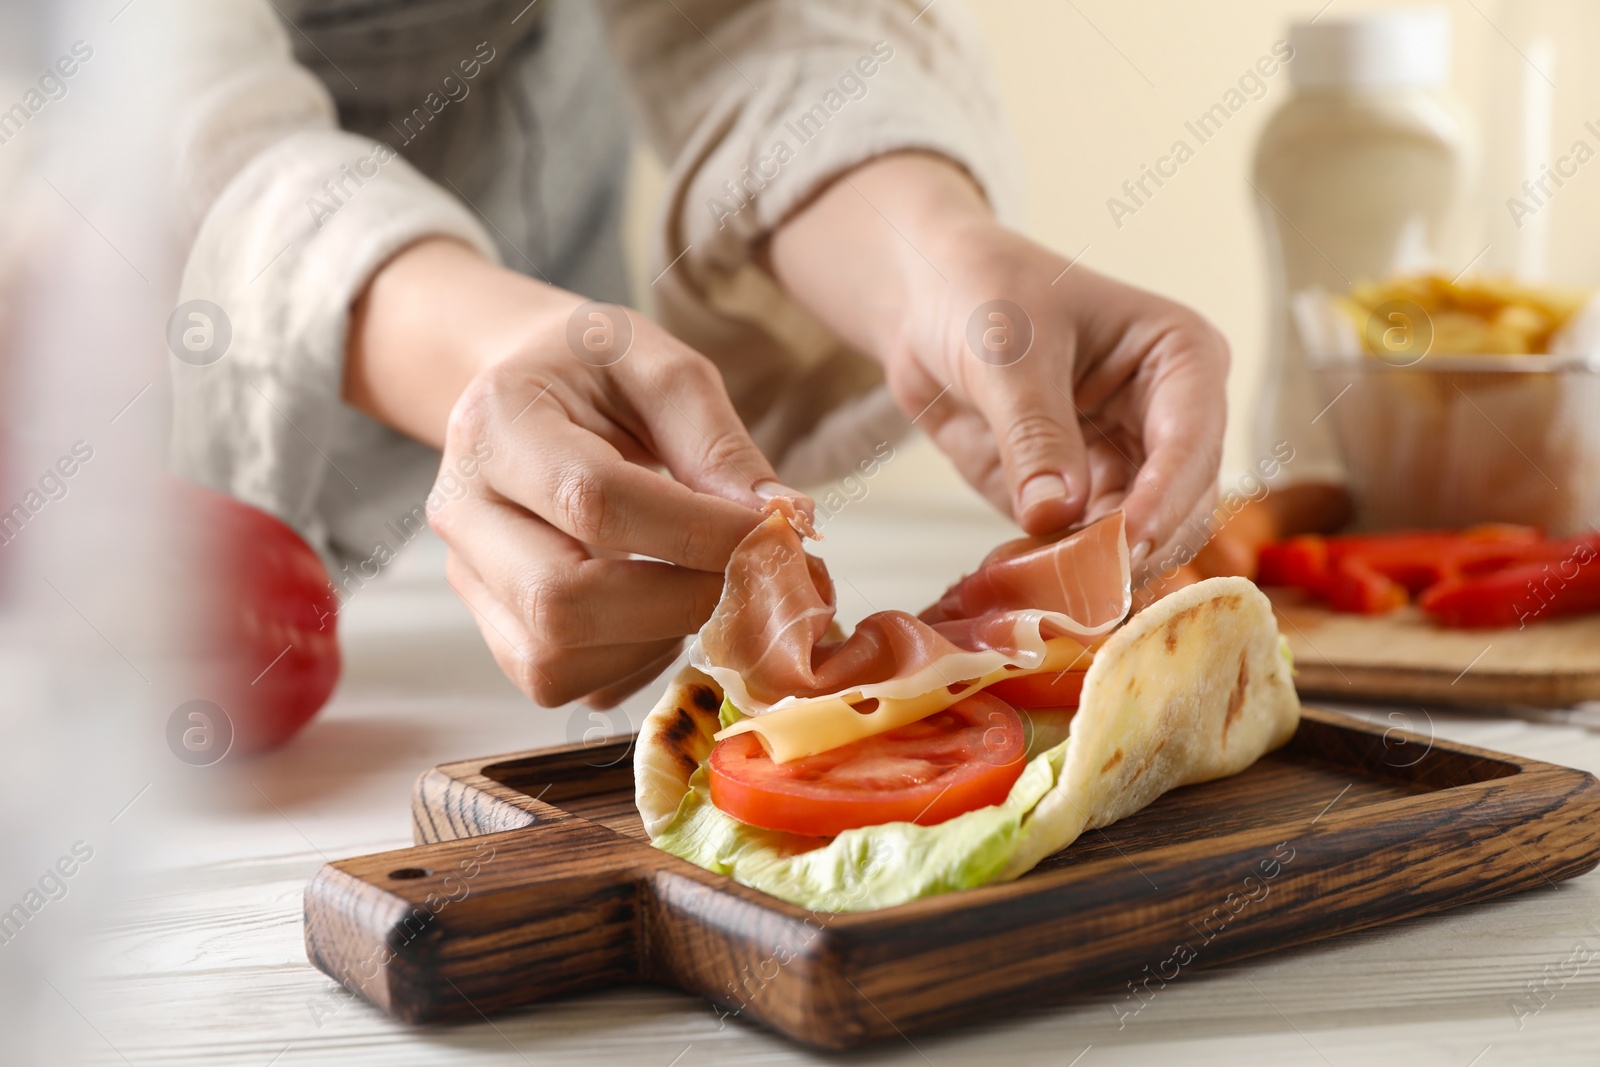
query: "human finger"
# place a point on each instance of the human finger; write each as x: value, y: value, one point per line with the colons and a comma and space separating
x: 563, y: 596
x: 691, y: 425
x: 582, y: 486
x: 1031, y: 412
x: 1182, y: 428
x: 550, y: 676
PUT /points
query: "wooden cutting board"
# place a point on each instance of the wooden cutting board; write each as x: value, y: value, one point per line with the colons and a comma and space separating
x: 533, y: 879
x: 1403, y: 657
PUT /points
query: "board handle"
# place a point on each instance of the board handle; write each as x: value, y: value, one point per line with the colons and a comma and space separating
x: 458, y: 928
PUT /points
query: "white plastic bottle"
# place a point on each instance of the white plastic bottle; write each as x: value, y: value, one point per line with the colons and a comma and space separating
x: 1362, y: 173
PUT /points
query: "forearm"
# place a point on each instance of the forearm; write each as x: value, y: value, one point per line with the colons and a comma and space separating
x: 438, y: 313
x: 855, y: 255
x: 429, y: 322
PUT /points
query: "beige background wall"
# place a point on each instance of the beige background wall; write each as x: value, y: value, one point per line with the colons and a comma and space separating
x: 1074, y: 76
x: 1097, y: 87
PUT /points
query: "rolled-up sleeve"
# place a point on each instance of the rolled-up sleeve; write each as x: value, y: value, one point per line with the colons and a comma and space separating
x: 757, y: 105
x: 292, y: 216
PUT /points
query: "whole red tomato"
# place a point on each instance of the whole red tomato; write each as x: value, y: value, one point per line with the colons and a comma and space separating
x: 261, y: 619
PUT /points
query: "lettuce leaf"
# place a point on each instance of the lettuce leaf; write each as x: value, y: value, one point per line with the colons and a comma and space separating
x: 866, y: 868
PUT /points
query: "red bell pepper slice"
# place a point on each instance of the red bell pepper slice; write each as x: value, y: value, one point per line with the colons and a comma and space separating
x: 1491, y: 575
x: 1565, y: 582
x: 1420, y: 560
x: 1300, y: 562
x: 1356, y: 586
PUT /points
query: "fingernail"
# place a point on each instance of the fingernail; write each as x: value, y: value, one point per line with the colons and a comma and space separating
x: 1040, y: 489
x: 771, y: 490
x: 1137, y: 554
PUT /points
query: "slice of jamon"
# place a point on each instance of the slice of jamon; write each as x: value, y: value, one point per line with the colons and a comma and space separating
x: 1079, y: 576
x: 766, y: 644
x: 777, y: 603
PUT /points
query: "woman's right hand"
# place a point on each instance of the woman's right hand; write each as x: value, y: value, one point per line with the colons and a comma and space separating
x: 569, y: 413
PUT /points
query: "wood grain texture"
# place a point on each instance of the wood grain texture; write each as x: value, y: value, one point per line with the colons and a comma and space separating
x: 1349, y: 827
x: 1404, y: 657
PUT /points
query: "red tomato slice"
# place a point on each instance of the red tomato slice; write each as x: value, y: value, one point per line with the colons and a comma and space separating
x: 1052, y: 689
x: 965, y: 757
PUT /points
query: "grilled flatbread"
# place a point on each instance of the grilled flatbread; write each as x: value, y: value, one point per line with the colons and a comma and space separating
x: 1195, y: 687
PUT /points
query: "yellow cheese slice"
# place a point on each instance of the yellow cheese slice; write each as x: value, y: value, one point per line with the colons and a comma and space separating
x: 807, y: 727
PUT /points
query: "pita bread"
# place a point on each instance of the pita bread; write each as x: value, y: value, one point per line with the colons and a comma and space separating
x: 1195, y: 687
x: 674, y: 741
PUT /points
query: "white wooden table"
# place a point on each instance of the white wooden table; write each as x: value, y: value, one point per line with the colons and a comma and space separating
x: 202, y: 962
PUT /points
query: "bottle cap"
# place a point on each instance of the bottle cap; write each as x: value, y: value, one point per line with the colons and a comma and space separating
x: 1401, y: 47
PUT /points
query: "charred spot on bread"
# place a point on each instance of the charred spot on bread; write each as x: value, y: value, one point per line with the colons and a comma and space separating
x: 1236, y: 698
x: 704, y: 699
x: 1109, y: 765
x: 682, y: 727
x: 1175, y: 624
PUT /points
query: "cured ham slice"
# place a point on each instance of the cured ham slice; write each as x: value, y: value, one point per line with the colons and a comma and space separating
x: 1032, y: 605
x: 1079, y: 576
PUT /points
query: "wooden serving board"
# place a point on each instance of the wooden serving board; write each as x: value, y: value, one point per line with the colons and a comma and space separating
x: 1404, y: 657
x: 533, y: 879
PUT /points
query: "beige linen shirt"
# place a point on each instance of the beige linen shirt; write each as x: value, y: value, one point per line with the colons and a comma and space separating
x: 315, y: 144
